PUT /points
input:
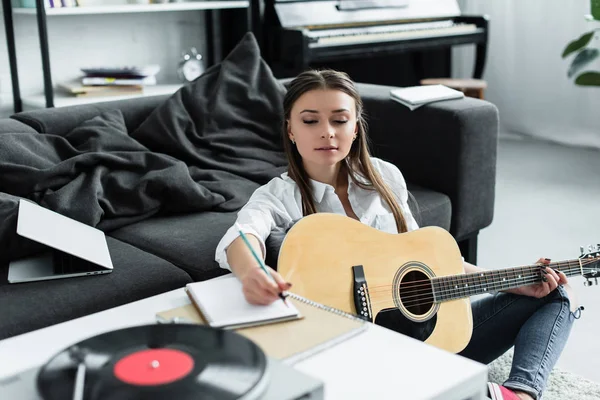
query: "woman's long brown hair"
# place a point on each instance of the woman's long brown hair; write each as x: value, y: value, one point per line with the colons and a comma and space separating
x: 357, y: 163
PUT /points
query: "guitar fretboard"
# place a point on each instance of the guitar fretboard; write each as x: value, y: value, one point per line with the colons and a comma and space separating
x: 460, y: 286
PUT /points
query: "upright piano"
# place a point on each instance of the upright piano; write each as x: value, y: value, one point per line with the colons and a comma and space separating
x: 301, y: 33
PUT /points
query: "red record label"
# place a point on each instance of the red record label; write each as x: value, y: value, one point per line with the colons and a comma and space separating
x: 153, y: 367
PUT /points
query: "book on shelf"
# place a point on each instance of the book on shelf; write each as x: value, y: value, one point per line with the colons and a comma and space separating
x: 47, y: 3
x: 78, y: 90
x: 112, y: 81
x: 128, y: 72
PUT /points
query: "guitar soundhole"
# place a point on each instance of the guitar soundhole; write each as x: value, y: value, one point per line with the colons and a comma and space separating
x: 415, y: 292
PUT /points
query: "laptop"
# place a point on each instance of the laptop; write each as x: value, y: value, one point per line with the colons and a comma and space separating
x: 73, y: 248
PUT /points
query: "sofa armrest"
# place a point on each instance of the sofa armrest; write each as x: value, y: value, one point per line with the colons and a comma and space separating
x: 448, y: 146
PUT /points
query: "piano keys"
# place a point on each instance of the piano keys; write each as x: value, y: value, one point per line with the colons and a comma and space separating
x: 306, y: 32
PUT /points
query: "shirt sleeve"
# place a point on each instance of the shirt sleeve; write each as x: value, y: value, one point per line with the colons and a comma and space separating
x: 394, y: 178
x: 258, y: 217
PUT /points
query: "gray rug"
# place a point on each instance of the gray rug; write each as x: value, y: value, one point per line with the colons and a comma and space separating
x: 562, y: 385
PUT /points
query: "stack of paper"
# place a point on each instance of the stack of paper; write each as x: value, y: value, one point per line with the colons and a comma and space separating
x: 416, y: 96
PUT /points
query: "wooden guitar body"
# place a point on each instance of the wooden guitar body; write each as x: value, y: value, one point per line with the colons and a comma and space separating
x: 318, y: 254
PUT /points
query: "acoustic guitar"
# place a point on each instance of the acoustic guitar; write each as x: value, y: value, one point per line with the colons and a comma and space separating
x: 342, y: 263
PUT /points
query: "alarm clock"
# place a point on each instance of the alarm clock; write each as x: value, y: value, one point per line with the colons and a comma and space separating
x: 191, y: 65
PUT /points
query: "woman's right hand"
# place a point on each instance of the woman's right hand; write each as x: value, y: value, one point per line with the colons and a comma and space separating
x: 258, y: 288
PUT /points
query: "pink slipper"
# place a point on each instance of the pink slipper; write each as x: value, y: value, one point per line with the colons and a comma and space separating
x: 499, y: 392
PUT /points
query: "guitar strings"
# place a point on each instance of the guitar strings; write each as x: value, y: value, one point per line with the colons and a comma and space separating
x: 429, y: 298
x: 428, y: 293
x: 443, y: 291
x: 450, y: 286
x: 531, y: 268
x: 463, y: 278
x: 427, y: 284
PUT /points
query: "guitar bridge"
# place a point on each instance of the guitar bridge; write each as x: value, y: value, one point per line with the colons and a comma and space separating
x: 362, y: 301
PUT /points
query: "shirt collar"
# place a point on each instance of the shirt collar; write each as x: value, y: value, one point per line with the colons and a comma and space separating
x: 319, y: 188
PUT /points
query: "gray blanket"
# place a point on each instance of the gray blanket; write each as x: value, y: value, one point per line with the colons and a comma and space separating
x: 99, y: 175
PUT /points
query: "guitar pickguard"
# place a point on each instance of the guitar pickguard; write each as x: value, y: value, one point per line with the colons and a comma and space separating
x: 393, y: 319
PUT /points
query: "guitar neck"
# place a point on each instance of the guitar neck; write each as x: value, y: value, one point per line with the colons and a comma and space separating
x: 459, y: 286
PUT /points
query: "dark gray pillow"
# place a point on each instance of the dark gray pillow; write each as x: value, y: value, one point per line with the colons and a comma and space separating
x: 229, y: 119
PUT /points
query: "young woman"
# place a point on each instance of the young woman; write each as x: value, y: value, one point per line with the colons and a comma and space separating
x: 330, y: 170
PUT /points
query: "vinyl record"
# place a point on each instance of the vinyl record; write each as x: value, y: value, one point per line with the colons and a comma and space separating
x: 162, y: 361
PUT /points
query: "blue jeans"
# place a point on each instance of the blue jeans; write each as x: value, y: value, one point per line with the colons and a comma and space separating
x: 538, y: 329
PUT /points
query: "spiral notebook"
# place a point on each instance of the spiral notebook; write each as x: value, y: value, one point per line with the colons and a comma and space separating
x: 222, y: 303
x: 319, y: 328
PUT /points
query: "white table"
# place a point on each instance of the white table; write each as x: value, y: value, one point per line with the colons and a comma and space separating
x: 376, y: 364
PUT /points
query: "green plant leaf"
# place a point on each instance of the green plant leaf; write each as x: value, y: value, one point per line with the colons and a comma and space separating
x: 578, y: 43
x: 595, y: 6
x: 582, y: 59
x: 588, y: 79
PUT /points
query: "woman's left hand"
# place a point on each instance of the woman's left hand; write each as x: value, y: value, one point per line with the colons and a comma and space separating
x: 541, y: 289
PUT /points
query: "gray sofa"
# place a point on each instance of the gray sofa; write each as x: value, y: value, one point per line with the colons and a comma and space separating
x: 446, y: 150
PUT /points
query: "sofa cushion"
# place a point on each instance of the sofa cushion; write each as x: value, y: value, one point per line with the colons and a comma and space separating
x: 431, y: 208
x: 136, y: 275
x: 8, y: 125
x: 228, y: 120
x: 187, y: 241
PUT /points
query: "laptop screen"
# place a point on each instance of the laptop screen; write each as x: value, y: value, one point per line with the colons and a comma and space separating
x: 62, y: 233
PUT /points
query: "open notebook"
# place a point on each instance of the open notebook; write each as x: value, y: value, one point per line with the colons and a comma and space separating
x: 222, y: 303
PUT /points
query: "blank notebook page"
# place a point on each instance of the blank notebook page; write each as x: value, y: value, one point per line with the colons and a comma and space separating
x: 223, y: 304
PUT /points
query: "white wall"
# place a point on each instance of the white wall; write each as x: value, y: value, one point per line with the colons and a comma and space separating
x: 109, y: 39
x: 525, y: 73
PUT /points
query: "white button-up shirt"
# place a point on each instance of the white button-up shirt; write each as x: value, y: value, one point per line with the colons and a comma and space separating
x: 276, y: 206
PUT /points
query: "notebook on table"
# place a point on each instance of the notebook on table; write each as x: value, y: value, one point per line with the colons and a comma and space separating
x: 223, y: 305
x: 319, y: 328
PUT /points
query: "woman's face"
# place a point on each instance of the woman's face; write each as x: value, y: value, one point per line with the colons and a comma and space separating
x: 323, y: 125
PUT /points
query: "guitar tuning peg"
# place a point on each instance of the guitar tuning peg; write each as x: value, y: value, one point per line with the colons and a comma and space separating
x: 582, y: 250
x: 591, y: 248
x: 598, y: 247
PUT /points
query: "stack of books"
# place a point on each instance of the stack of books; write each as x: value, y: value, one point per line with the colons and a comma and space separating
x: 112, y: 81
x: 50, y: 3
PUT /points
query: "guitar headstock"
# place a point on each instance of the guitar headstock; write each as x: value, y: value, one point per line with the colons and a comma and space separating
x: 590, y: 260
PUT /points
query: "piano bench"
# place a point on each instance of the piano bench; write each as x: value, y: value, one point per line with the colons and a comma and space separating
x: 470, y: 87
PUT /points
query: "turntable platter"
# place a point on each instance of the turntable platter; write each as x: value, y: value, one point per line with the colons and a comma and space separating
x: 161, y: 361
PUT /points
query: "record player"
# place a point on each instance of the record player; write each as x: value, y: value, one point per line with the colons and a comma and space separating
x: 162, y: 361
